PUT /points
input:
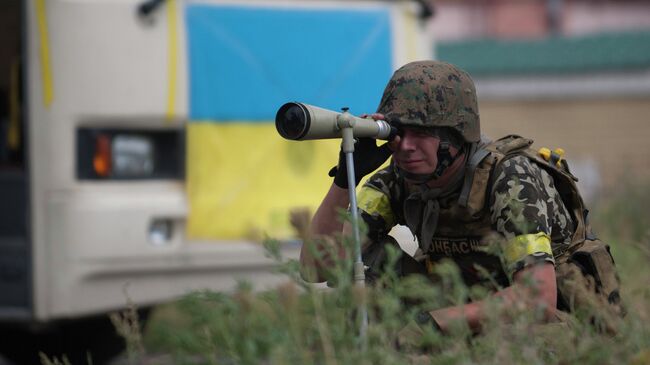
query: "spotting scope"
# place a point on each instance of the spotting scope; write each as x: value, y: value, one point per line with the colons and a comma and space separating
x: 299, y: 122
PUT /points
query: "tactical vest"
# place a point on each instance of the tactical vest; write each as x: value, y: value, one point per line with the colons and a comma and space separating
x: 585, y: 271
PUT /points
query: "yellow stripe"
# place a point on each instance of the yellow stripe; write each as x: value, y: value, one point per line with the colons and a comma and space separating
x: 46, y: 72
x: 373, y: 202
x: 172, y: 58
x: 527, y: 244
x: 411, y: 27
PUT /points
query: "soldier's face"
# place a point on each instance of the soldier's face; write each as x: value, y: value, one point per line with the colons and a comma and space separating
x: 416, y: 151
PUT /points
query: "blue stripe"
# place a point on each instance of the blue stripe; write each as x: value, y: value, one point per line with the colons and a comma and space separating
x: 244, y: 62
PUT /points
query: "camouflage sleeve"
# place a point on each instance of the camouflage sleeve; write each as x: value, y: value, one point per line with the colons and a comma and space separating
x: 522, y: 211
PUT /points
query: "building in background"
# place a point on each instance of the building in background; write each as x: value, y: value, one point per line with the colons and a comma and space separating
x: 570, y: 74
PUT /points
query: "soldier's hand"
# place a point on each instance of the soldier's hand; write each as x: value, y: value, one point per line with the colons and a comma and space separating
x: 414, y: 334
x: 367, y: 158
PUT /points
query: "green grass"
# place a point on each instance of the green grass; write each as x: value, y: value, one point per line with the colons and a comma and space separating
x: 623, y: 220
x: 303, y: 324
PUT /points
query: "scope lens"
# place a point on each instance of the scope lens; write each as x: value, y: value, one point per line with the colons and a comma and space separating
x: 292, y: 121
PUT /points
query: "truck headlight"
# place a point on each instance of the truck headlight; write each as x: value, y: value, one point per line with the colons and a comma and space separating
x: 114, y: 154
x: 132, y: 156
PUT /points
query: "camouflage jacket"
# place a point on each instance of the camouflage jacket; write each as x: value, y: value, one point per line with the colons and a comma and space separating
x: 479, y: 220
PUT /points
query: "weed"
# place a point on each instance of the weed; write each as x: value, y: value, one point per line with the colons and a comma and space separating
x: 300, y: 323
x: 127, y: 325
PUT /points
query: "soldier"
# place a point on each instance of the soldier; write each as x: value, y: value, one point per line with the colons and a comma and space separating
x: 455, y: 190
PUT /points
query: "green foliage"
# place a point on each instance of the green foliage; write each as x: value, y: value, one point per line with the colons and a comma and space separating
x: 625, y: 215
x: 621, y: 220
x: 301, y: 323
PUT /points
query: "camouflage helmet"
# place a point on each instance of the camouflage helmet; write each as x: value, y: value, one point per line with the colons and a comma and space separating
x: 432, y: 94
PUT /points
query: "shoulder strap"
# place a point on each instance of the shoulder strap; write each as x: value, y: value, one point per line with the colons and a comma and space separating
x: 475, y: 158
x: 483, y: 158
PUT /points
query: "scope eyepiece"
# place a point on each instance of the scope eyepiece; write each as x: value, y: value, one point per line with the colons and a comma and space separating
x: 292, y: 121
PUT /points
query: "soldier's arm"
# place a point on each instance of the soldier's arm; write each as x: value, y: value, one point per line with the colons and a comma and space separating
x: 325, y: 222
x: 522, y: 209
x: 534, y: 288
x: 374, y: 210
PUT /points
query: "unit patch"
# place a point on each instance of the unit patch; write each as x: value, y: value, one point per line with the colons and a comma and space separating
x: 455, y: 246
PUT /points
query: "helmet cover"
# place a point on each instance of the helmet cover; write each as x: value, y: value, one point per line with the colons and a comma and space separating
x: 432, y: 94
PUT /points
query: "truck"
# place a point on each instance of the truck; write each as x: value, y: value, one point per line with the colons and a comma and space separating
x: 138, y: 158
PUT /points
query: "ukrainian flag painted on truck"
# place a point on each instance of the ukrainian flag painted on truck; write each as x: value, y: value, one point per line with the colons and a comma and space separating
x: 151, y: 158
x: 244, y: 62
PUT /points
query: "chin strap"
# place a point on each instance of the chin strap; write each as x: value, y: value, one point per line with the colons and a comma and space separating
x: 444, y: 161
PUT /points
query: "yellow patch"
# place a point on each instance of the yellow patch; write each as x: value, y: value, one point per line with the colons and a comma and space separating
x: 172, y: 58
x: 373, y: 202
x: 527, y: 244
x: 44, y: 53
x: 243, y: 179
